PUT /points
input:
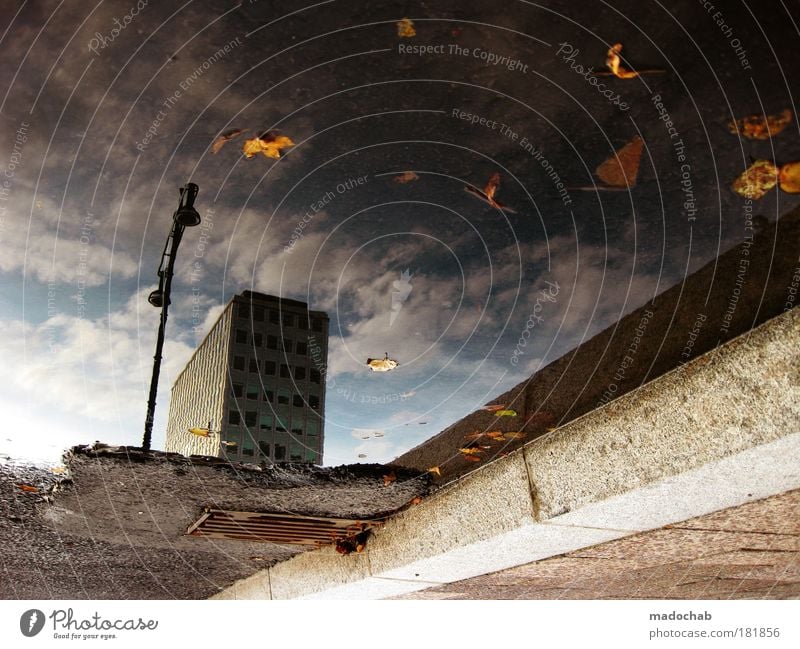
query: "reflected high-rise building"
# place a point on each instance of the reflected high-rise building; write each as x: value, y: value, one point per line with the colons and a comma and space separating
x: 256, y: 381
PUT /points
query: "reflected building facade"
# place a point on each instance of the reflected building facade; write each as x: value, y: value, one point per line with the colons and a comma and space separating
x: 257, y: 382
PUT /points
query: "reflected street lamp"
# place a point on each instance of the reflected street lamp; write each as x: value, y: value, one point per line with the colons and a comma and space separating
x: 185, y: 217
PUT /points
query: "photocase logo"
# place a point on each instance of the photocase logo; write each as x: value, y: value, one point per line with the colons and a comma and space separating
x: 31, y: 622
x: 402, y: 289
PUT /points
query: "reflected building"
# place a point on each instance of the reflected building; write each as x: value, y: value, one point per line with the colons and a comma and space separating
x: 256, y: 381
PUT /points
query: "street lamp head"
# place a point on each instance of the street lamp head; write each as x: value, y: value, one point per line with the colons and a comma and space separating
x: 186, y: 215
x: 156, y: 298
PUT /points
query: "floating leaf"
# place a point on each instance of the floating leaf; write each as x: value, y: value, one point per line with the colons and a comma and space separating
x: 389, y: 479
x: 228, y: 444
x: 28, y: 488
x: 789, y: 178
x: 225, y: 138
x: 200, y: 432
x: 506, y: 413
x: 416, y: 500
x: 756, y: 180
x: 760, y: 127
x: 269, y: 143
x: 496, y: 435
x: 476, y: 435
x: 614, y: 63
x: 470, y: 450
x: 435, y: 470
x: 622, y: 168
x: 516, y: 435
x: 405, y: 28
x: 487, y: 195
x: 406, y: 177
x: 472, y: 458
x: 493, y: 408
x: 384, y: 364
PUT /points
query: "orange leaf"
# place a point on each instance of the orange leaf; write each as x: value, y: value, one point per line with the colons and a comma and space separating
x: 405, y: 28
x: 789, y: 178
x: 406, y: 177
x: 28, y: 488
x: 269, y: 143
x: 756, y: 180
x: 416, y: 500
x: 389, y: 479
x: 493, y: 408
x: 621, y: 169
x: 470, y: 451
x: 760, y: 127
x: 613, y: 61
x: 472, y: 458
x: 496, y: 435
x: 436, y: 470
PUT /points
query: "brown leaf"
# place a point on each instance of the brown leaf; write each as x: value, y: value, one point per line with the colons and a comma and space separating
x: 472, y: 458
x: 476, y: 436
x: 756, y: 180
x: 493, y: 408
x: 226, y: 137
x: 405, y: 28
x: 496, y: 435
x: 621, y: 169
x: 389, y: 479
x: 28, y: 488
x: 789, y: 178
x: 760, y: 127
x: 269, y: 143
x: 435, y: 470
x: 515, y: 435
x: 406, y: 177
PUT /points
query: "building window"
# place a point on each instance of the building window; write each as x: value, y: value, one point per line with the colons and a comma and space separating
x: 297, y: 401
x: 287, y: 345
x: 316, y: 324
x: 244, y: 310
x: 241, y: 336
x: 250, y: 418
x: 258, y: 339
x: 280, y: 452
x: 252, y: 390
x: 265, y: 421
x: 313, y: 401
x: 263, y: 447
x: 288, y: 320
x: 311, y: 456
x: 234, y: 417
x: 274, y: 317
x: 237, y: 389
x: 297, y: 428
x: 258, y: 313
x: 314, y: 376
x: 269, y: 395
x: 238, y: 362
x: 283, y: 396
x: 254, y: 365
x: 272, y: 342
x: 269, y: 368
x: 285, y: 371
x: 295, y: 452
x: 302, y: 348
x: 300, y: 373
x: 280, y: 425
x: 311, y: 428
x: 247, y: 447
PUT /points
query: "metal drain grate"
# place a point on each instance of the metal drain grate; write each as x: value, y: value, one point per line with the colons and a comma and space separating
x: 276, y: 528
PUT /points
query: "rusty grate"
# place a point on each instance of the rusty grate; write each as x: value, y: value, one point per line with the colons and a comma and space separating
x: 276, y: 528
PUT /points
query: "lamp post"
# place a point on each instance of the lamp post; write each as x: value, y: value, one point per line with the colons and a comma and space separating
x: 185, y: 217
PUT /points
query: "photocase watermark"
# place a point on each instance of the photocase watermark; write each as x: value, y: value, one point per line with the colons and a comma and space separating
x: 727, y: 30
x: 791, y: 295
x: 453, y: 49
x: 742, y: 269
x: 535, y: 152
x: 627, y: 361
x: 197, y: 273
x: 687, y: 186
x: 87, y: 229
x: 183, y: 86
x: 401, y: 290
x: 568, y: 54
x: 534, y: 319
x: 9, y: 172
x: 686, y: 353
x: 320, y: 204
x: 102, y: 41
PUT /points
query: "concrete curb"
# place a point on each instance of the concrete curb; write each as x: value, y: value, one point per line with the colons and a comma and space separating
x: 719, y: 431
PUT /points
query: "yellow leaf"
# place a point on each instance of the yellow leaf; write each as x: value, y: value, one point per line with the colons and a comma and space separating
x: 270, y: 144
x: 405, y: 28
x: 200, y: 432
x: 506, y: 413
x: 789, y: 178
x: 760, y: 127
x: 756, y: 180
x: 435, y: 470
x: 470, y: 451
x: 614, y: 63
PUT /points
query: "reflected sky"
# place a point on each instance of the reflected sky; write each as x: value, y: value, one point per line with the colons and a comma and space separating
x: 106, y: 110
